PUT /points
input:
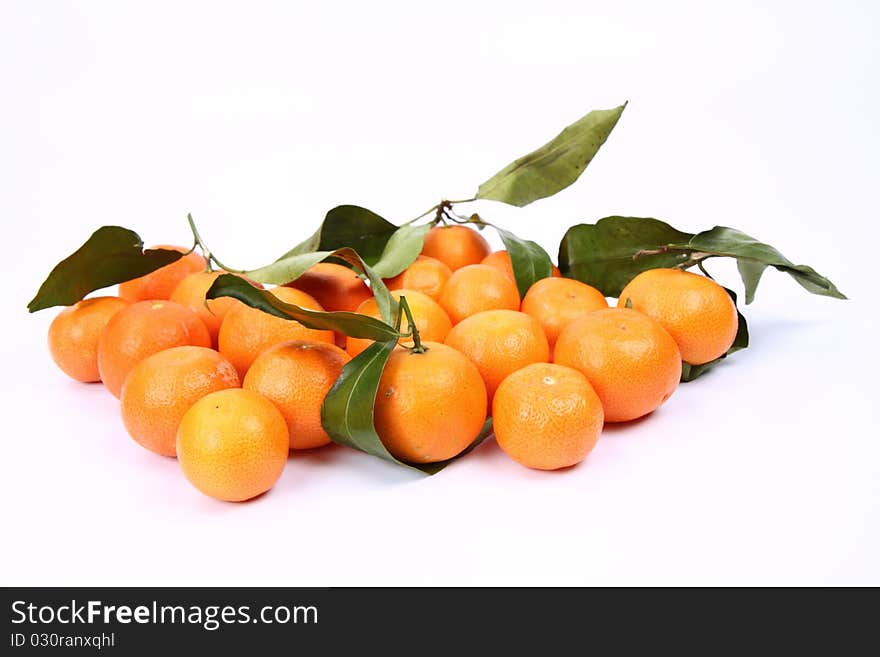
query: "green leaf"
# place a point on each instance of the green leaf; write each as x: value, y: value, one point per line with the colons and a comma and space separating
x: 353, y: 324
x: 750, y: 271
x: 555, y: 165
x: 754, y: 256
x: 347, y: 411
x: 401, y: 250
x: 741, y: 341
x: 111, y: 255
x: 288, y: 269
x: 349, y: 226
x: 529, y: 260
x: 611, y: 252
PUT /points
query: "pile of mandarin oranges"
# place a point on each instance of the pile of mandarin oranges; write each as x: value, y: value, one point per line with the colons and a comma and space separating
x: 230, y: 390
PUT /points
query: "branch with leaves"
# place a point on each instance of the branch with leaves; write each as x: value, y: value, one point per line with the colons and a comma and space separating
x: 606, y: 254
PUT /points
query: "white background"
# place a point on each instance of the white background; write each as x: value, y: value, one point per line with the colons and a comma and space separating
x: 258, y: 118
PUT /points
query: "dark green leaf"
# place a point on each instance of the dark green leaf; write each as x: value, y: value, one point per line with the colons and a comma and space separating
x: 530, y: 262
x: 349, y: 226
x: 401, y: 250
x: 353, y: 324
x: 723, y: 241
x: 741, y: 341
x: 347, y: 412
x: 111, y: 255
x: 611, y: 252
x: 290, y: 268
x: 555, y: 165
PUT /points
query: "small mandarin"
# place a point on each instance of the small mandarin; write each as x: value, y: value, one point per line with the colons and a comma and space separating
x: 162, y: 387
x: 335, y: 287
x: 247, y: 332
x: 547, y: 416
x: 160, y: 284
x: 74, y: 335
x: 142, y: 329
x: 431, y: 320
x: 500, y: 342
x: 557, y: 301
x: 456, y: 246
x: 296, y: 376
x: 475, y: 288
x: 190, y: 292
x: 232, y: 444
x: 501, y: 261
x: 426, y: 275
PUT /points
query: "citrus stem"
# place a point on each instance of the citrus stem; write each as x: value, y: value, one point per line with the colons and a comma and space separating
x: 433, y: 208
x: 442, y: 211
x: 209, y: 257
x: 417, y: 348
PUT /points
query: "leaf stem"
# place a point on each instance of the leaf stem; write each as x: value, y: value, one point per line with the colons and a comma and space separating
x: 424, y: 214
x: 209, y: 257
x: 418, y: 347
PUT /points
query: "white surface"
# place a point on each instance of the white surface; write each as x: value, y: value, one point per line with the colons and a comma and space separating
x: 259, y: 119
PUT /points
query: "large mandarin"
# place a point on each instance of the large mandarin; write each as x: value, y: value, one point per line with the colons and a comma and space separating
x: 500, y: 342
x: 430, y: 406
x: 630, y: 360
x: 698, y: 313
